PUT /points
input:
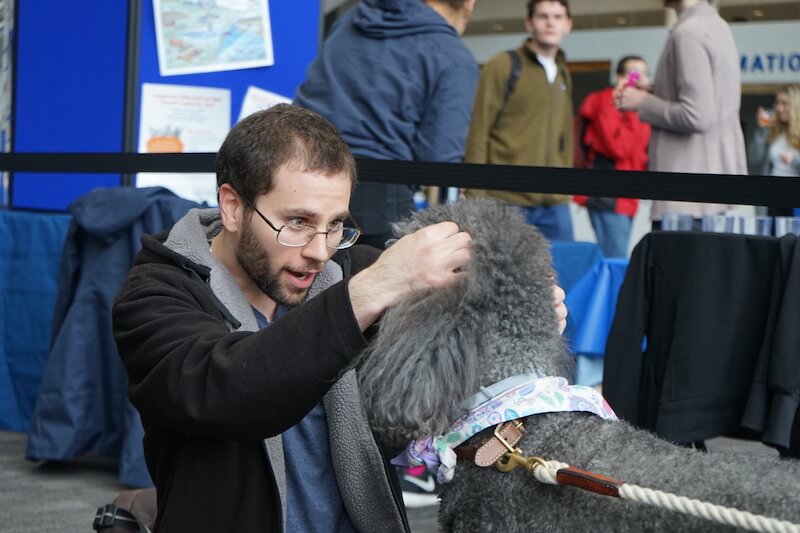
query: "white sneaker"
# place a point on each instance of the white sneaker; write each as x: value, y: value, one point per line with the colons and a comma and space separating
x: 419, y: 491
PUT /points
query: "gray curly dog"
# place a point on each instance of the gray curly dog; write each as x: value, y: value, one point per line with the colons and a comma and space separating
x: 431, y: 355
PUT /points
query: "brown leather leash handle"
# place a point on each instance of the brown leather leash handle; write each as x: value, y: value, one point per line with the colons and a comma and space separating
x: 590, y: 481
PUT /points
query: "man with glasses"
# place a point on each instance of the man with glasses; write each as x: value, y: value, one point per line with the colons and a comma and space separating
x: 252, y: 421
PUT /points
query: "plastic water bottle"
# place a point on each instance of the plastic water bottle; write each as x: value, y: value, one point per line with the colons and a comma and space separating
x: 420, y: 201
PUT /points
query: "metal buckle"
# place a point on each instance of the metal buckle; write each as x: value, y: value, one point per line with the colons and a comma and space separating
x: 105, y: 516
x: 500, y: 427
x: 110, y: 516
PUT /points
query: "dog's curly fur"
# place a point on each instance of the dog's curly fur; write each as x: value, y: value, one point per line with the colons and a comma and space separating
x: 432, y: 354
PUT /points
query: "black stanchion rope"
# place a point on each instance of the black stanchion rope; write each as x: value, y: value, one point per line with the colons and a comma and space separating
x: 720, y: 188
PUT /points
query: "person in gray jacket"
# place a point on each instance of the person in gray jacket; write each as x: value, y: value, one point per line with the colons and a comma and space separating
x: 694, y: 107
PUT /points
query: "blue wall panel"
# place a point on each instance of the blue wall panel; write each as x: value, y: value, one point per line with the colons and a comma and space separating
x: 70, y: 82
x: 69, y: 92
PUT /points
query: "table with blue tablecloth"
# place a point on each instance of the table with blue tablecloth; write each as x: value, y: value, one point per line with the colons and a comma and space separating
x: 572, y: 260
x: 592, y: 283
x: 592, y: 303
x: 30, y: 248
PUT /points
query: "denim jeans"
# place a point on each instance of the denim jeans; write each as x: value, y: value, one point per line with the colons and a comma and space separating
x: 553, y: 221
x: 613, y: 231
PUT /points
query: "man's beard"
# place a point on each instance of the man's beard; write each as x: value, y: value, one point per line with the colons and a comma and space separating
x: 255, y: 261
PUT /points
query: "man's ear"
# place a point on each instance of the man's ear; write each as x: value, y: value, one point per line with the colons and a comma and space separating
x: 469, y: 6
x: 529, y: 24
x: 231, y: 208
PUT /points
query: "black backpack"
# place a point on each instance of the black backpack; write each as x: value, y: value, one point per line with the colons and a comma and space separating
x: 516, y: 64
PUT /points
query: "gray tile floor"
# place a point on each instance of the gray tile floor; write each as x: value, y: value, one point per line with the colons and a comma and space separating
x: 63, y: 497
x: 50, y: 497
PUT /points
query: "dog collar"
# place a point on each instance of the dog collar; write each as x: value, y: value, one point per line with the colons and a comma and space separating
x: 533, y: 396
x: 492, y: 391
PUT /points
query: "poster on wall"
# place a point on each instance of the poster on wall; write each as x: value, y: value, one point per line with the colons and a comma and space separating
x: 212, y: 35
x: 256, y: 99
x: 183, y: 118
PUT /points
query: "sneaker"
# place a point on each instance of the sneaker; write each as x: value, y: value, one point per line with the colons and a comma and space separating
x: 419, y: 488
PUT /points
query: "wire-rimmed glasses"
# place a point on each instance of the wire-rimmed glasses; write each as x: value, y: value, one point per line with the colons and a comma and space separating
x: 296, y: 234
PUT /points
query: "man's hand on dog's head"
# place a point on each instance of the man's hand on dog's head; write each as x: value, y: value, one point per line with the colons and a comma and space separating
x: 431, y: 258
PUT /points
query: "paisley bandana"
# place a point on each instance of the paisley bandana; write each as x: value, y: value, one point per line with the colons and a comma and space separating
x: 532, y: 397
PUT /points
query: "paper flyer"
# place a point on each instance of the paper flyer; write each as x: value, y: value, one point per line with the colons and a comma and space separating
x: 182, y: 118
x: 256, y: 99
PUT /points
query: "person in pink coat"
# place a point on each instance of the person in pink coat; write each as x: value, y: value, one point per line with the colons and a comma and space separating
x: 694, y: 106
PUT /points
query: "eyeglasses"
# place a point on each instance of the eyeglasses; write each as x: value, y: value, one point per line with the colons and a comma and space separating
x: 296, y: 234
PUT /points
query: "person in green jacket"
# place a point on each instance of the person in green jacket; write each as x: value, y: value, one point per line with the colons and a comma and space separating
x: 533, y: 124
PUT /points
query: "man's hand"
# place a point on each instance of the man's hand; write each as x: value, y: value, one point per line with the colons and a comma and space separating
x: 429, y: 259
x: 560, y: 307
x: 628, y: 98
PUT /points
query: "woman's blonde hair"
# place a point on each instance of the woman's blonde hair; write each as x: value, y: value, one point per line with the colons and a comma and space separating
x: 792, y: 127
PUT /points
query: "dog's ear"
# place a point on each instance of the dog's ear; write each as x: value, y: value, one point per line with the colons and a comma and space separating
x: 431, y: 354
x: 416, y: 374
x: 418, y: 370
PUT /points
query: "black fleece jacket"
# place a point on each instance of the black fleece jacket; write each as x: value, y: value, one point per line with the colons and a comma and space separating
x: 208, y: 396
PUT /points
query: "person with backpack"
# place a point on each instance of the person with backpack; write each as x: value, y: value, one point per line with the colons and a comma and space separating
x: 523, y: 115
x: 612, y: 139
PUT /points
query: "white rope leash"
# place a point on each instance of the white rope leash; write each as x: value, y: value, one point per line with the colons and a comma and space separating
x: 700, y: 509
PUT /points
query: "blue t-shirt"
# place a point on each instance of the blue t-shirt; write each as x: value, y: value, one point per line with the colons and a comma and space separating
x: 313, y: 501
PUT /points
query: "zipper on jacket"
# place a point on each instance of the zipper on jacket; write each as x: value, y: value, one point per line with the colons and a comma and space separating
x: 552, y: 90
x: 553, y: 93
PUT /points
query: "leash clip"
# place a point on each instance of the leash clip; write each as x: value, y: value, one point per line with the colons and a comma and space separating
x: 513, y: 456
x: 512, y: 460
